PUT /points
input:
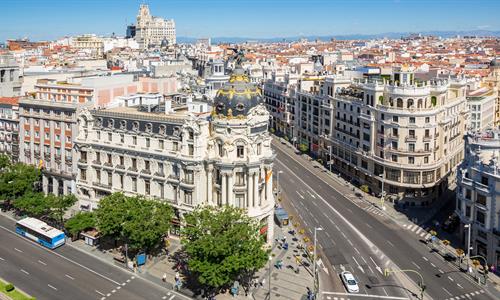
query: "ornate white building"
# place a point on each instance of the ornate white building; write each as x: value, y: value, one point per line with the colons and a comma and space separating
x: 165, y: 152
x: 153, y: 31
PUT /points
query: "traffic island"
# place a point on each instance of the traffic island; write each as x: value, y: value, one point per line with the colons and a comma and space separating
x: 9, y: 292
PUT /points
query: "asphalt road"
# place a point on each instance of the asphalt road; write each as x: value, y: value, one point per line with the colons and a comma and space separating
x: 359, y: 239
x: 66, y: 273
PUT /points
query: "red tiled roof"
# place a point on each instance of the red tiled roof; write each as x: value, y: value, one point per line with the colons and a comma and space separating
x: 9, y: 100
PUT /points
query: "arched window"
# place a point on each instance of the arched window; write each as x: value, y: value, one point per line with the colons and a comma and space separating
x: 399, y: 103
x: 419, y: 103
x: 381, y: 99
x: 409, y: 103
x: 433, y: 100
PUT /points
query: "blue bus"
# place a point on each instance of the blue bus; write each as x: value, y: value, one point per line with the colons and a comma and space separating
x: 40, y: 232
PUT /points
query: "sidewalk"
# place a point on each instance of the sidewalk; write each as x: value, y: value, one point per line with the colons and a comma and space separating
x: 417, y: 215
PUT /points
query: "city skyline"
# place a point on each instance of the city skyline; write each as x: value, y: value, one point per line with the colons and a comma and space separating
x: 264, y: 19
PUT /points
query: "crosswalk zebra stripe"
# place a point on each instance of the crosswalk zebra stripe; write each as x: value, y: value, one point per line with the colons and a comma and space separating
x: 422, y: 234
x: 427, y: 236
x: 414, y: 227
x: 419, y: 229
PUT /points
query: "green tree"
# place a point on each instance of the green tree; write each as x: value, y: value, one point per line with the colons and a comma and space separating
x: 223, y: 245
x: 303, y: 148
x: 111, y: 214
x: 4, y: 162
x: 147, y: 222
x: 59, y: 205
x: 17, y: 180
x: 34, y: 204
x: 80, y: 222
x: 139, y: 221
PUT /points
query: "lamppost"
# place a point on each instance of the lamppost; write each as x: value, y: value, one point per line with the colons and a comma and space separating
x: 315, y: 275
x: 330, y: 157
x: 278, y: 183
x: 269, y: 277
x: 382, y: 199
x: 468, y: 226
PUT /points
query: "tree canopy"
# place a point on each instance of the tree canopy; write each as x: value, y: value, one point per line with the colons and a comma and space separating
x: 79, y: 222
x: 139, y: 221
x: 18, y: 179
x: 223, y: 245
x: 59, y: 205
x: 34, y: 204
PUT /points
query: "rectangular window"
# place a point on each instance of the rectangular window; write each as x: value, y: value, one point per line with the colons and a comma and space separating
x: 110, y: 136
x: 134, y: 163
x: 364, y: 164
x: 83, y: 174
x: 110, y: 159
x: 147, y: 187
x: 98, y: 175
x: 148, y: 142
x: 122, y: 160
x: 240, y: 178
x: 411, y: 147
x: 412, y: 120
x: 259, y: 148
x: 395, y: 118
x: 98, y: 157
x: 240, y: 151
x: 239, y: 200
x: 134, y: 184
x: 188, y: 198
x: 394, y: 132
x: 411, y: 160
x: 146, y: 165
x: 189, y: 176
x: 484, y: 180
x: 481, y: 199
x: 480, y: 217
x: 121, y: 181
x: 161, y: 144
x: 160, y: 168
x: 394, y: 158
x: 110, y: 178
x: 83, y: 156
x: 190, y: 150
x: 175, y: 146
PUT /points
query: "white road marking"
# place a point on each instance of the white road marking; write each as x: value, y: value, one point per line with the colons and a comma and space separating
x: 52, y: 287
x: 70, y: 277
x: 1, y: 258
x: 128, y: 280
x: 359, y: 266
x: 427, y: 236
x: 433, y: 265
x: 404, y: 225
x: 61, y: 256
x: 164, y: 297
x: 413, y: 228
x: 108, y: 294
x: 416, y: 265
x: 356, y: 249
x: 350, y: 210
x: 25, y: 272
x: 441, y: 271
x: 447, y: 292
x: 343, y: 234
x: 42, y: 262
x: 422, y: 234
x: 99, y: 293
x: 18, y: 250
x: 324, y: 214
x: 327, y: 234
x: 113, y: 291
x: 311, y: 194
x: 299, y: 195
x: 369, y: 225
x: 425, y: 258
x: 118, y: 287
x: 364, y: 259
x: 390, y: 243
x: 371, y: 270
x: 364, y: 295
x: 418, y: 231
x: 350, y: 243
x: 387, y: 263
x: 171, y: 297
x: 460, y: 286
x: 376, y: 266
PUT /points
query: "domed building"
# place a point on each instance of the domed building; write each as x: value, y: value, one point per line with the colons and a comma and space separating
x: 184, y: 156
x: 240, y: 149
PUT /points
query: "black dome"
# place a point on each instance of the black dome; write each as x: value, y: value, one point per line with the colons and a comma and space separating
x: 238, y: 96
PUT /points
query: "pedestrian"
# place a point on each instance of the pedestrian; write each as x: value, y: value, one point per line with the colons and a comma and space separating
x: 164, y: 278
x: 177, y: 276
x: 285, y: 246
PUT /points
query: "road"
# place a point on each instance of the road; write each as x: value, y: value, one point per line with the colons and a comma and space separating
x: 67, y: 273
x: 361, y: 239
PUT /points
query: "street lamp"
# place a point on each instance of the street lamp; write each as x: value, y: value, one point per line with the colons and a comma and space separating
x: 382, y: 200
x: 269, y: 278
x: 315, y: 275
x: 330, y: 157
x: 468, y: 226
x: 278, y: 182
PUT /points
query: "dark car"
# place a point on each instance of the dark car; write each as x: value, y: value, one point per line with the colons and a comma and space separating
x: 449, y: 257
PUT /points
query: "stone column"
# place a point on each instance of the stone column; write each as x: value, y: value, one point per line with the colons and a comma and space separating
x: 256, y: 198
x: 250, y: 189
x: 223, y: 188
x: 230, y: 187
x: 210, y: 185
x: 269, y: 186
x: 55, y: 187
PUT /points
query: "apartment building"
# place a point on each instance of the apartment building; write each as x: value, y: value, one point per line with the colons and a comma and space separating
x: 170, y: 153
x: 90, y: 44
x: 478, y: 196
x: 9, y: 127
x: 153, y: 31
x: 481, y: 104
x: 400, y: 135
x: 493, y: 81
x: 10, y: 82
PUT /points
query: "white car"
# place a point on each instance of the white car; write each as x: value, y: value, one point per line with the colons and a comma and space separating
x: 350, y: 282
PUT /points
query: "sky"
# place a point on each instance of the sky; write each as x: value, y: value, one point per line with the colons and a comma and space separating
x: 52, y: 19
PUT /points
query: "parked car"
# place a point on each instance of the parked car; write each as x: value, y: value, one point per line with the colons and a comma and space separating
x: 350, y: 282
x: 449, y: 257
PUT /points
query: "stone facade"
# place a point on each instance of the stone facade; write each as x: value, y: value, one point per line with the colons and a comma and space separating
x: 153, y: 31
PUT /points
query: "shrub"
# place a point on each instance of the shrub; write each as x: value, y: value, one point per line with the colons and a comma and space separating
x: 9, y: 287
x: 365, y: 188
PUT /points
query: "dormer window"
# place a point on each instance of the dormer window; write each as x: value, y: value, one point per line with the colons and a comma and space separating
x: 149, y: 127
x: 111, y: 123
x: 135, y: 126
x: 123, y: 124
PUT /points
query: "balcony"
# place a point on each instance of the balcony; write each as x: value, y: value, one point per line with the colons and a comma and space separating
x: 411, y: 138
x: 427, y: 138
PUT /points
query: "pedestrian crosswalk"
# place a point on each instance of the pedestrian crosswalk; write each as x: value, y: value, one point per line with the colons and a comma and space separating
x: 419, y: 231
x: 374, y: 210
x: 471, y: 295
